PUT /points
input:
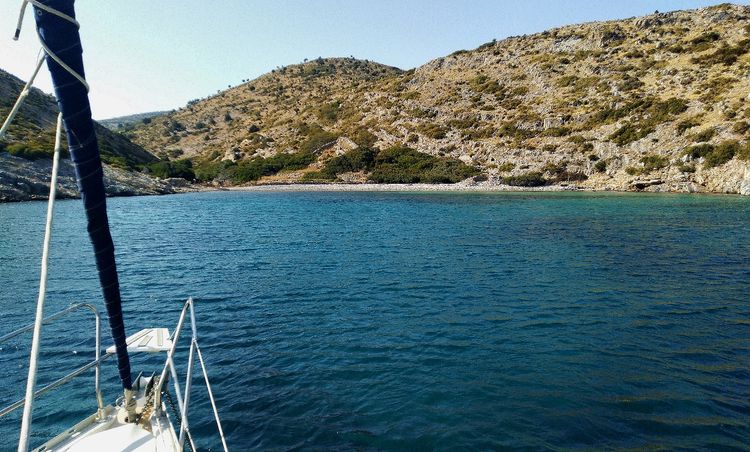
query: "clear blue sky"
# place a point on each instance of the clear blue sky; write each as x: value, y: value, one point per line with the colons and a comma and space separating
x: 145, y: 55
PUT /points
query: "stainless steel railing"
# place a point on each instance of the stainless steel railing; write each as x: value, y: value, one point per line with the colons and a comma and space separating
x: 184, y: 403
x: 98, y: 358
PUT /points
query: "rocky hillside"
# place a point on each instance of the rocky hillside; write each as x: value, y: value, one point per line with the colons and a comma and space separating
x: 267, y: 115
x: 658, y: 102
x: 26, y: 150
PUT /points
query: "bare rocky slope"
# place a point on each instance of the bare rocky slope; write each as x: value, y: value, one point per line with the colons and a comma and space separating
x: 25, y: 153
x: 660, y: 103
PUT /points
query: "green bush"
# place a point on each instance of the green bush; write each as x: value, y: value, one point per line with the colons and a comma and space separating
x: 511, y: 130
x: 654, y: 162
x: 533, y: 179
x: 631, y: 132
x: 483, y: 84
x: 208, y: 171
x: 722, y: 153
x: 433, y: 131
x: 316, y: 176
x: 254, y: 169
x: 716, y: 155
x: 700, y: 150
x: 405, y: 165
x: 360, y: 159
x: 30, y: 150
x: 686, y: 168
x: 478, y: 134
x: 704, y: 135
x: 650, y: 111
x: 555, y: 169
x: 709, y: 36
x: 558, y: 172
x: 671, y: 106
x: 178, y: 168
x: 743, y: 153
x: 726, y: 54
x: 608, y: 115
x: 714, y: 87
x: 741, y: 127
x: 364, y: 138
x: 37, y: 148
x: 633, y: 171
x: 600, y: 166
x: 329, y: 113
x: 317, y: 138
x: 174, y: 126
x: 579, y: 85
x: 505, y: 167
x: 556, y: 132
x: 630, y: 84
x: 682, y: 126
x: 576, y: 139
x: 464, y: 123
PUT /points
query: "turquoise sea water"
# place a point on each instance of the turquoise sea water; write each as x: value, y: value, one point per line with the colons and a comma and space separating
x: 414, y: 321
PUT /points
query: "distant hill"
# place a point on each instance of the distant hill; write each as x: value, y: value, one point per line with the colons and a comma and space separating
x: 657, y: 102
x: 126, y: 122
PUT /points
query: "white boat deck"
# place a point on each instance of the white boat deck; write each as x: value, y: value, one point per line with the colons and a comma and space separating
x: 111, y: 432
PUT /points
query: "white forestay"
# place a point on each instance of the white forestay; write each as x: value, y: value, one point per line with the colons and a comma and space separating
x: 23, y: 442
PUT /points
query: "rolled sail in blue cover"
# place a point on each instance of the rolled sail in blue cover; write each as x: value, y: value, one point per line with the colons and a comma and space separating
x: 62, y: 39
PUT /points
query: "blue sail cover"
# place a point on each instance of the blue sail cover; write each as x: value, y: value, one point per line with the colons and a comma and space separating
x: 62, y: 38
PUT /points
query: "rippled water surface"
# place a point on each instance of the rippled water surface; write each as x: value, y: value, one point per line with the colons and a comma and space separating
x: 413, y: 321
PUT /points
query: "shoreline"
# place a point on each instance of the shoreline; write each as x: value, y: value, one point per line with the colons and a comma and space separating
x: 460, y: 187
x: 367, y: 187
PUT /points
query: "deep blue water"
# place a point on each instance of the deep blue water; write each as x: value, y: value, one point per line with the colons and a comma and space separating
x: 414, y: 321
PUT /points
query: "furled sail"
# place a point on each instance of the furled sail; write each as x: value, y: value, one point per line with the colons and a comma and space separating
x: 59, y: 36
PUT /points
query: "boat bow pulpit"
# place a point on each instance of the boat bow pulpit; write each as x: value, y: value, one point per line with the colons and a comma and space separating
x: 160, y: 401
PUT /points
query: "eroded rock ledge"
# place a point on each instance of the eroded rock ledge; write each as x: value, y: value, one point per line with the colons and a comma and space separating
x: 25, y: 180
